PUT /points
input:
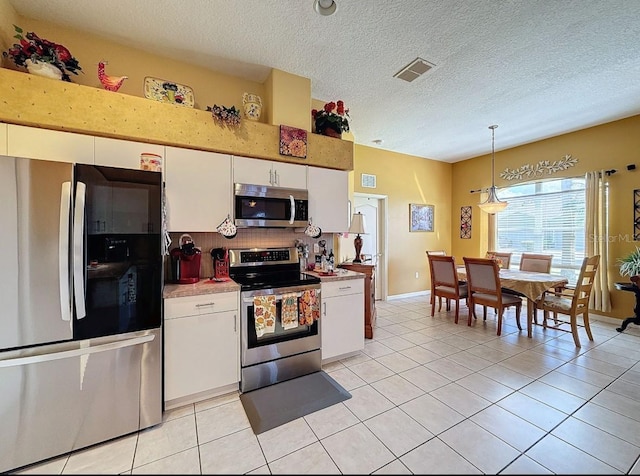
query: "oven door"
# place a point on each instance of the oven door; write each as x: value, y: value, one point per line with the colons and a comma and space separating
x: 268, y: 346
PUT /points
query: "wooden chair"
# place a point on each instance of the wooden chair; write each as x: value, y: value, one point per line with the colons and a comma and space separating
x: 444, y: 282
x: 536, y: 263
x: 573, y: 302
x: 505, y: 258
x: 483, y: 280
x: 438, y: 253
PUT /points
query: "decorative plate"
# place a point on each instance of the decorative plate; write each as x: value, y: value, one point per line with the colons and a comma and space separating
x: 168, y: 91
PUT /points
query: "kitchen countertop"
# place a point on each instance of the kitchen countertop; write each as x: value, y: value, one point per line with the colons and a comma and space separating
x: 341, y: 275
x: 204, y: 286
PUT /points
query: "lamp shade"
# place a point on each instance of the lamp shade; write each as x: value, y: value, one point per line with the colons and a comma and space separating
x: 357, y: 224
x: 493, y: 204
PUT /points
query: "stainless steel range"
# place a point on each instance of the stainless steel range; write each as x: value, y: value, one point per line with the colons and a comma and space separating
x: 272, y: 293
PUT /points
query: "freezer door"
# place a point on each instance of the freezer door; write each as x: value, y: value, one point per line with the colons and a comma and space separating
x: 63, y: 397
x: 35, y: 198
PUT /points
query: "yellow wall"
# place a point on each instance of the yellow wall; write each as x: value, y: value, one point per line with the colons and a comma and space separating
x: 609, y: 146
x: 408, y: 179
x: 290, y: 100
x: 8, y: 18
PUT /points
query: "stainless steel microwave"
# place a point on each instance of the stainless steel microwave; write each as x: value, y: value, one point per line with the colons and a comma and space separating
x: 277, y: 207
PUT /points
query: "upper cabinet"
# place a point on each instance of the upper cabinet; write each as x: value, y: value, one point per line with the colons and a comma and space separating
x: 269, y: 173
x: 123, y: 153
x: 198, y: 189
x: 329, y: 199
x: 3, y: 139
x: 35, y: 143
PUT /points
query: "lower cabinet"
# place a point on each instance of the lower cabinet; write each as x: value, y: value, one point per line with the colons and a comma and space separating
x: 201, y: 347
x: 342, y: 319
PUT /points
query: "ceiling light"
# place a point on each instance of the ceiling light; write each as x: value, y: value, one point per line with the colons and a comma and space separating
x: 493, y: 204
x: 377, y: 141
x: 325, y: 7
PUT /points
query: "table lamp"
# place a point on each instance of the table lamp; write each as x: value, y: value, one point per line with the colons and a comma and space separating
x: 357, y: 226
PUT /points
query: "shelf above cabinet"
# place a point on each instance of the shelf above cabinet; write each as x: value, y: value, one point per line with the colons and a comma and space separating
x: 76, y: 108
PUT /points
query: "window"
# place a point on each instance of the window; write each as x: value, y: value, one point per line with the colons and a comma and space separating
x: 545, y: 217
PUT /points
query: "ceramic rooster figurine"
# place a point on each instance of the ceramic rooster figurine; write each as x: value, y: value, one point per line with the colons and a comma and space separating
x: 110, y: 83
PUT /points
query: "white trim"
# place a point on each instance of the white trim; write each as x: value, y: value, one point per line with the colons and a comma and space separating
x: 407, y: 295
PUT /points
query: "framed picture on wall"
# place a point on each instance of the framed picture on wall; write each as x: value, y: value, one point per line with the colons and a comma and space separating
x: 421, y: 217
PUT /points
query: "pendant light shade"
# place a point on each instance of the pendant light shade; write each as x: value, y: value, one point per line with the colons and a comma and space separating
x: 493, y: 204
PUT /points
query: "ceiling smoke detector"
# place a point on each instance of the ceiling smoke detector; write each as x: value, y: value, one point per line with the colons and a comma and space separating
x: 414, y: 69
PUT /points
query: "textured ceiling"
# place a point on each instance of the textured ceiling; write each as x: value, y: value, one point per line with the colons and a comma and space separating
x: 536, y: 68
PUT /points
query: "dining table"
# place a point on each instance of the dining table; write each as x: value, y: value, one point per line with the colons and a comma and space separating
x: 529, y: 284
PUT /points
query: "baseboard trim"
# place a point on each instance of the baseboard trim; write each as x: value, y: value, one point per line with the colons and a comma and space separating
x: 408, y: 295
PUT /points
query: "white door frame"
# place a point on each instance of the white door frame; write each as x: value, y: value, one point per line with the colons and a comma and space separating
x: 382, y: 282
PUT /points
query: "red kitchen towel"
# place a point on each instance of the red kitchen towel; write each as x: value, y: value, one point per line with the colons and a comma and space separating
x: 264, y: 312
x: 289, y: 310
x: 309, y: 307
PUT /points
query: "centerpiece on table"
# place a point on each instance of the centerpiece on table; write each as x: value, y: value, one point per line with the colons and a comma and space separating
x: 331, y: 120
x: 42, y: 57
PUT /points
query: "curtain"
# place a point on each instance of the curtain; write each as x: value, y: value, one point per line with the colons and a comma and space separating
x: 597, y: 242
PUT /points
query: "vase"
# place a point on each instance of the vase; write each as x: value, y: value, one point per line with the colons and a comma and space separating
x: 41, y: 68
x: 252, y: 104
x: 328, y: 131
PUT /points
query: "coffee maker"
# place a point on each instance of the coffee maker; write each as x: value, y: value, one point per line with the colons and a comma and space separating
x: 220, y: 258
x: 185, y: 261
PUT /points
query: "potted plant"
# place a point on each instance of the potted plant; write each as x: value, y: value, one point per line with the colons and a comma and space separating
x: 42, y: 56
x: 630, y: 264
x: 331, y: 120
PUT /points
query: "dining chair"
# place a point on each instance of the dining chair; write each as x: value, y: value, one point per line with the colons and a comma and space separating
x: 537, y: 263
x: 572, y: 302
x: 444, y: 282
x: 483, y: 281
x: 505, y: 258
x: 438, y: 253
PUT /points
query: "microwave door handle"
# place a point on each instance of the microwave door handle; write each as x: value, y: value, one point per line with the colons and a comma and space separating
x: 78, y: 250
x: 63, y: 251
x: 293, y: 210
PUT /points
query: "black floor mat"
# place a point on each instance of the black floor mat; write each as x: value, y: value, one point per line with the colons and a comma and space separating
x: 283, y: 402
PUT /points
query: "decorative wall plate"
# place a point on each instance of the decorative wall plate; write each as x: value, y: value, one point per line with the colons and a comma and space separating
x: 168, y: 91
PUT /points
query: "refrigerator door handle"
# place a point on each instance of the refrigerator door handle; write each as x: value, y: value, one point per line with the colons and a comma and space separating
x: 65, y: 354
x: 78, y: 250
x: 63, y: 251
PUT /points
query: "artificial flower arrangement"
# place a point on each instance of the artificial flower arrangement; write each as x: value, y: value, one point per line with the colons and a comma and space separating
x: 32, y: 49
x: 630, y: 264
x: 226, y: 115
x: 333, y: 116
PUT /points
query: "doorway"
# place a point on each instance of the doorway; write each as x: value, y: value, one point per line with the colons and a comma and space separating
x: 374, y: 242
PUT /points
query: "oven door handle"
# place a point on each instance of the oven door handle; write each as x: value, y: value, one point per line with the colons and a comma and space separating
x: 277, y: 296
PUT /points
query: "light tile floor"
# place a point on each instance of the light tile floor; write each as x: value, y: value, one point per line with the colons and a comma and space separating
x: 428, y: 396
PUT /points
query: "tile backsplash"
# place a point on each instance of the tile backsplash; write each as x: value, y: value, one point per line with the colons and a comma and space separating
x: 246, y: 238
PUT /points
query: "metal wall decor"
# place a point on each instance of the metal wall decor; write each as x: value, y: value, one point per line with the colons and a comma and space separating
x: 636, y: 215
x: 541, y: 168
x: 465, y: 222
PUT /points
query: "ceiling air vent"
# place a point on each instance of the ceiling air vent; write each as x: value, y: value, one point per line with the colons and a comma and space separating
x: 414, y: 69
x: 368, y: 181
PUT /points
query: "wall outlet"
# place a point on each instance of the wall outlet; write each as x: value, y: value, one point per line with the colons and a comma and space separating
x: 316, y: 248
x: 416, y: 275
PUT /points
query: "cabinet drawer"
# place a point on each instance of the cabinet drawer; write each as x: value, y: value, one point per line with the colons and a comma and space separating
x: 198, y: 305
x: 343, y: 287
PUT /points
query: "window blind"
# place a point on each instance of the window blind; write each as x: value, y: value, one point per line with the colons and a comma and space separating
x: 545, y: 217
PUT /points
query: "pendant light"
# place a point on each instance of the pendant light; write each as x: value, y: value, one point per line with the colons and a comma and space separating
x: 493, y: 204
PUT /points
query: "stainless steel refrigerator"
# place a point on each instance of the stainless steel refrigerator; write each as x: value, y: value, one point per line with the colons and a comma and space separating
x: 80, y: 306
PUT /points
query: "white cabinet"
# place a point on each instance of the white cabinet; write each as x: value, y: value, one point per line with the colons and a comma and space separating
x: 35, y: 143
x: 123, y: 153
x: 342, y: 319
x: 198, y: 189
x: 269, y: 173
x: 328, y: 199
x: 3, y: 139
x: 201, y: 347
